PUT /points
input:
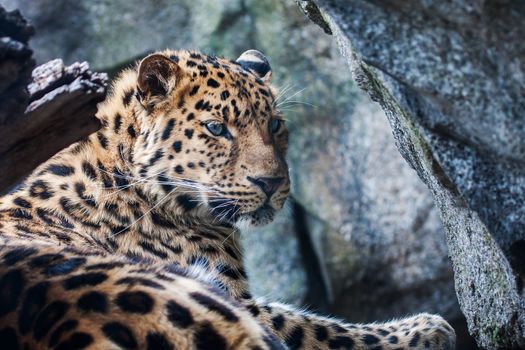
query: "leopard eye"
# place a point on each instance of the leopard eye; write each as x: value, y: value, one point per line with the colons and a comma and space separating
x: 217, y: 129
x: 275, y: 125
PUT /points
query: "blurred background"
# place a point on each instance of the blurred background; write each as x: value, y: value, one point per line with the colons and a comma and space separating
x: 361, y: 238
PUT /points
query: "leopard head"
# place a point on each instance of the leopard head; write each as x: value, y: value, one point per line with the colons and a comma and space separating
x: 212, y: 142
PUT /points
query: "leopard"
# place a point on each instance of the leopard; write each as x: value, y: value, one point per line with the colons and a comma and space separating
x: 130, y: 238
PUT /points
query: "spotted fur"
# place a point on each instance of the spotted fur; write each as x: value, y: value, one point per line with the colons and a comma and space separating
x: 129, y: 239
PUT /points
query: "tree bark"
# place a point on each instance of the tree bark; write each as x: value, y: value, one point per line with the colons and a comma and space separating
x: 43, y: 110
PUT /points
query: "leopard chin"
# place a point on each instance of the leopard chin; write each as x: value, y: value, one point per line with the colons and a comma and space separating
x: 259, y: 217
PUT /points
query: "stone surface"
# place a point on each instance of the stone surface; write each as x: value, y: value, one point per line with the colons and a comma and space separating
x: 373, y: 224
x: 364, y: 241
x: 273, y: 261
x: 449, y: 75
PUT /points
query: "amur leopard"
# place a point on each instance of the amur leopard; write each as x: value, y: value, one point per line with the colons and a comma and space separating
x: 129, y: 239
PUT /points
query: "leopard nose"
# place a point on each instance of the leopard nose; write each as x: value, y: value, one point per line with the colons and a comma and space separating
x: 267, y: 184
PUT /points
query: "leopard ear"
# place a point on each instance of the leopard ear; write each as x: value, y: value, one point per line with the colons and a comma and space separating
x: 257, y: 63
x: 157, y: 76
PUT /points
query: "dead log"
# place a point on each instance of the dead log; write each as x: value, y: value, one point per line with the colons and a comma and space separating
x: 43, y: 112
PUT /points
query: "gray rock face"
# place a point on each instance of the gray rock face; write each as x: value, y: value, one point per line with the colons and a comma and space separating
x: 273, y: 261
x: 450, y: 76
x: 366, y: 242
x: 373, y: 224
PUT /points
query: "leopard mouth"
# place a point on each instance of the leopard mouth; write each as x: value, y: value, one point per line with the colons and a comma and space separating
x: 224, y: 211
x: 260, y: 216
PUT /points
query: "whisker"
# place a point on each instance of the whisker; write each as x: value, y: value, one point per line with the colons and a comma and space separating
x: 291, y: 96
x: 228, y: 237
x: 297, y: 102
x: 288, y: 109
x: 146, y: 213
x: 124, y: 187
x: 283, y: 91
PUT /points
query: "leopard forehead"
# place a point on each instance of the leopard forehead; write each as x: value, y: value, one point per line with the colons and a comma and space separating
x: 224, y: 87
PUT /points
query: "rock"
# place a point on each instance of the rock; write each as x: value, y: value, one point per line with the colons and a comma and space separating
x: 364, y: 240
x: 273, y: 261
x: 374, y: 225
x: 449, y: 76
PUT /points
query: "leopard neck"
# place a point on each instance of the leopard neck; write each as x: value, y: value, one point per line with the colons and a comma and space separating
x: 85, y: 191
